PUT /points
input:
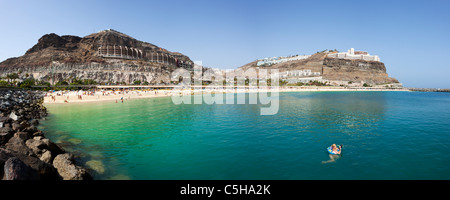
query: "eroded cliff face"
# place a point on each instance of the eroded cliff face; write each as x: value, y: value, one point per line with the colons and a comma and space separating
x: 64, y: 58
x: 372, y: 72
x: 111, y: 71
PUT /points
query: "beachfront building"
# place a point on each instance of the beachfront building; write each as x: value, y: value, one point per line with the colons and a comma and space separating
x: 124, y: 52
x: 300, y: 76
x: 352, y: 54
x: 276, y: 60
x: 295, y: 80
x: 298, y: 73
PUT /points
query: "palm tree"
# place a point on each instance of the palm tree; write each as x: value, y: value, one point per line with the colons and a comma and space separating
x: 12, y: 76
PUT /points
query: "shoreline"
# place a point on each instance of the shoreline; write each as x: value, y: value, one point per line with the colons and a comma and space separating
x: 72, y: 97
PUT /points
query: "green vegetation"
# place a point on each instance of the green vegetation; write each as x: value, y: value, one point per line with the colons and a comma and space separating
x: 366, y: 85
x: 5, y: 84
x: 27, y: 83
x: 83, y: 82
x: 61, y: 83
x: 11, y: 77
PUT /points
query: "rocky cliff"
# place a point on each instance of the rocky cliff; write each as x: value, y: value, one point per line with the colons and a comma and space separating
x: 372, y: 72
x: 334, y: 69
x: 105, y: 57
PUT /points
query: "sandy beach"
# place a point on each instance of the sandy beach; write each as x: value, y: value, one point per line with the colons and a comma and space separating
x: 58, y: 97
x: 84, y: 97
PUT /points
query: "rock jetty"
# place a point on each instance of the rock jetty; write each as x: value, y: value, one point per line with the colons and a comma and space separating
x: 428, y: 90
x: 25, y: 153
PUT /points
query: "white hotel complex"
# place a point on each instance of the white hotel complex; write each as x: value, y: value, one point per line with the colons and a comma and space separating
x: 352, y: 54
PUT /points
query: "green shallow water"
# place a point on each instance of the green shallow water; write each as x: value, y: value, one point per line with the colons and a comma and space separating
x: 386, y: 135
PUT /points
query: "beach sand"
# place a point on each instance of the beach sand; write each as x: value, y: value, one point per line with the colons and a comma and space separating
x: 73, y: 96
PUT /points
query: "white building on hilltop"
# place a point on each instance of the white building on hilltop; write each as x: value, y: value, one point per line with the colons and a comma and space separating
x: 352, y: 54
x: 276, y: 60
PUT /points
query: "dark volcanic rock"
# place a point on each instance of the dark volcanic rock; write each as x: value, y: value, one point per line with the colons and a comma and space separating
x: 4, y: 156
x: 22, y: 135
x: 46, y: 171
x: 5, y: 134
x: 5, y: 120
x: 16, y: 144
x: 15, y: 169
x: 55, y: 41
x: 16, y: 126
x: 34, y: 122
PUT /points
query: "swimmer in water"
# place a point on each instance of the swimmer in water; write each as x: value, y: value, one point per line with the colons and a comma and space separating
x: 336, y: 153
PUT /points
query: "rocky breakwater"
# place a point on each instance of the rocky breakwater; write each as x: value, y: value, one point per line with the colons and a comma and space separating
x: 25, y: 153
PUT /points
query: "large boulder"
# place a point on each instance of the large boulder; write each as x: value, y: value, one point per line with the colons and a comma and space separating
x: 13, y: 116
x: 34, y: 122
x: 22, y: 135
x: 46, y: 156
x: 30, y: 129
x: 45, y: 170
x: 15, y: 169
x: 17, y: 144
x: 16, y: 126
x: 4, y: 121
x: 43, y: 148
x: 36, y: 146
x: 52, y: 146
x: 5, y: 134
x: 67, y: 169
x: 4, y: 156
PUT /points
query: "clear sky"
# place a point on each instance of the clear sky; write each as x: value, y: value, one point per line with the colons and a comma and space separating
x: 411, y: 37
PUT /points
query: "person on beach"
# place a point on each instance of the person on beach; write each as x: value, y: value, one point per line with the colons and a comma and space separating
x: 121, y: 98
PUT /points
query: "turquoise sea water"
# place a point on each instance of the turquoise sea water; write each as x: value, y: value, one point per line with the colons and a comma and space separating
x: 386, y: 135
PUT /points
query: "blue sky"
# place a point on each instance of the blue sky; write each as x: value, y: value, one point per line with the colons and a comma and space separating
x: 411, y: 37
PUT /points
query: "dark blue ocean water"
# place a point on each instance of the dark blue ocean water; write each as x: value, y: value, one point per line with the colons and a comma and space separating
x: 386, y: 135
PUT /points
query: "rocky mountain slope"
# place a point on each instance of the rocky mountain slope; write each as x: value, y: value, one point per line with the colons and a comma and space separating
x: 372, y: 72
x: 105, y: 57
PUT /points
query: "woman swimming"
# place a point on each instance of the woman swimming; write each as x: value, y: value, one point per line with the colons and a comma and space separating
x: 335, y: 149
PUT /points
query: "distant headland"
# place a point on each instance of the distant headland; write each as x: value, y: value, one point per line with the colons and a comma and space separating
x: 330, y: 67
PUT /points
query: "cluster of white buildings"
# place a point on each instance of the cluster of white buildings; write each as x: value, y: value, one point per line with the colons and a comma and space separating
x: 276, y: 60
x: 298, y: 73
x: 296, y: 76
x: 352, y: 54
